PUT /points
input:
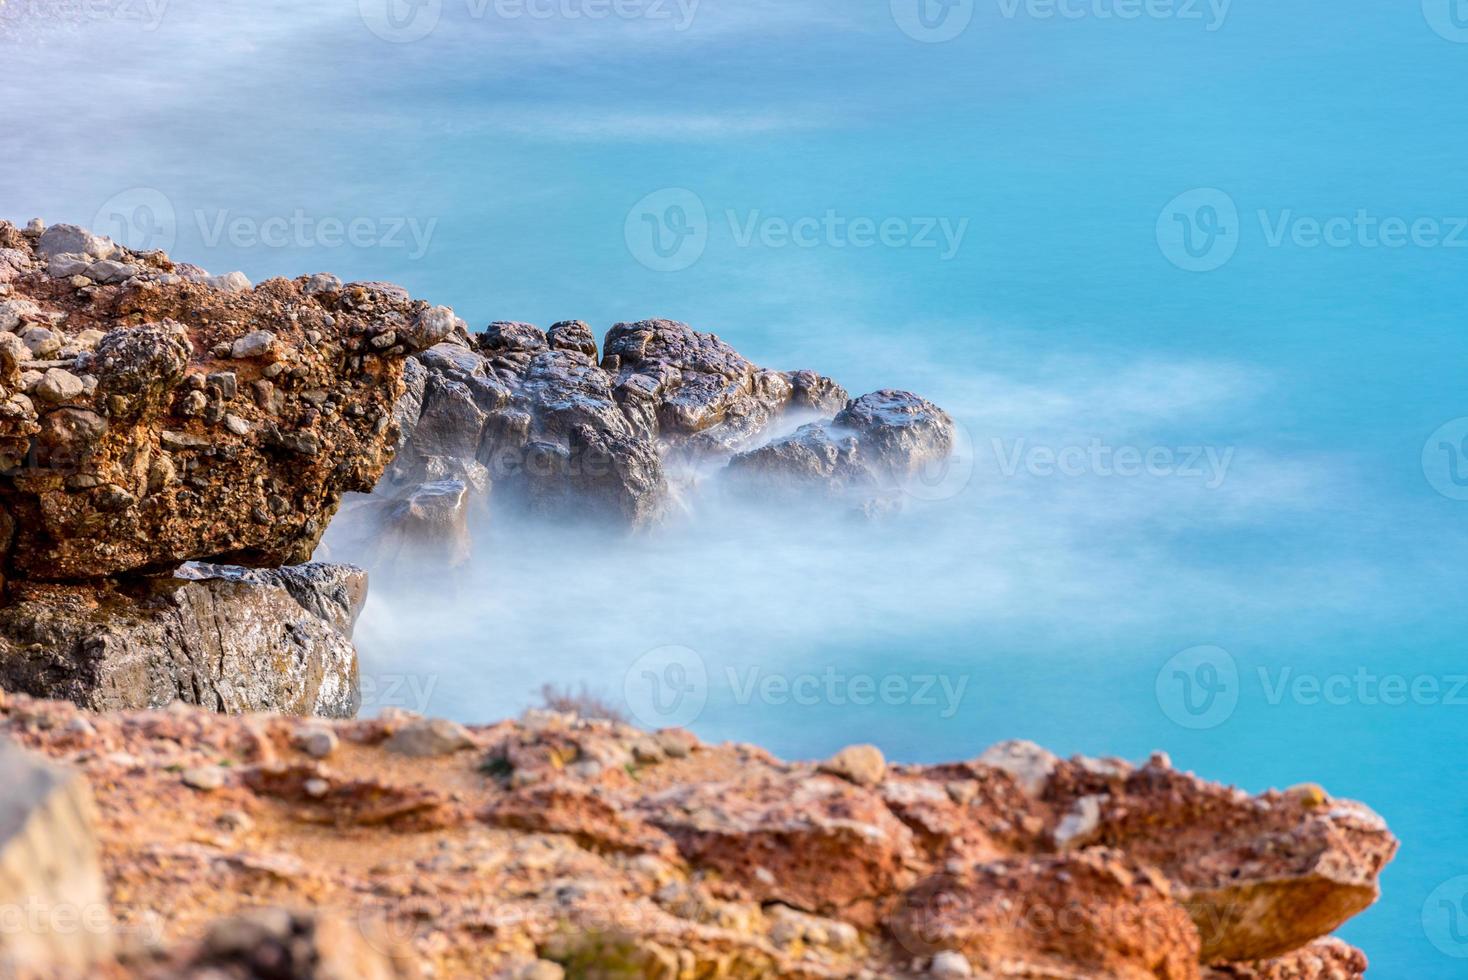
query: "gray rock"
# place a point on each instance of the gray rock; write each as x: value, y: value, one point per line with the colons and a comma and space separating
x: 59, y: 386
x: 572, y: 335
x: 505, y: 336
x: 13, y: 312
x: 230, y: 282
x: 426, y: 737
x: 256, y: 343
x: 899, y: 432
x: 66, y: 266
x: 42, y: 341
x: 201, y: 638
x: 110, y: 271
x: 70, y: 239
x: 1030, y: 764
x: 321, y: 282
x: 49, y: 858
x: 316, y: 741
x: 432, y: 326
x: 205, y: 779
x: 950, y: 963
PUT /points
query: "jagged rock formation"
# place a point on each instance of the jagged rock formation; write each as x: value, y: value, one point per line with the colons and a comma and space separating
x: 157, y: 416
x: 872, y: 445
x: 553, y: 432
x: 151, y: 414
x: 559, y: 846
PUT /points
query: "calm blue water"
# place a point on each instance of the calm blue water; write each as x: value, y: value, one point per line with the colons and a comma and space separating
x: 1013, y: 214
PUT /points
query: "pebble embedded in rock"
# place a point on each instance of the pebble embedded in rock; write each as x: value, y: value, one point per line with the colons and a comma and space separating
x: 429, y: 737
x: 205, y: 779
x: 317, y: 742
x: 863, y: 765
x: 41, y: 341
x: 236, y: 425
x: 542, y: 970
x: 58, y: 386
x: 256, y: 343
x: 950, y: 963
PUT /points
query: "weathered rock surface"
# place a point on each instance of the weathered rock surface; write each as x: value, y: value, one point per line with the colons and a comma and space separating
x: 51, y: 885
x: 873, y: 444
x: 560, y: 435
x: 555, y: 843
x: 229, y: 639
x: 149, y: 418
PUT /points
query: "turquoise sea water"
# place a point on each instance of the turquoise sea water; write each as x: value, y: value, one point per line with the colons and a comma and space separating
x: 1192, y: 281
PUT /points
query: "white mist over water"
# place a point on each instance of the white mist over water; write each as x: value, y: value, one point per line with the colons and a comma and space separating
x: 1040, y: 527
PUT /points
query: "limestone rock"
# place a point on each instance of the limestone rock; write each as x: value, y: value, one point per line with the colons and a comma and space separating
x: 260, y: 464
x: 863, y: 765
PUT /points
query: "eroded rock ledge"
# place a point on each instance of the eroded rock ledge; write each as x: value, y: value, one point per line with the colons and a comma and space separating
x: 554, y: 846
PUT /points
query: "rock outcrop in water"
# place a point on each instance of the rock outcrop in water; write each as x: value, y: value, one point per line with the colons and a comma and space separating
x: 537, y: 421
x: 559, y: 846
